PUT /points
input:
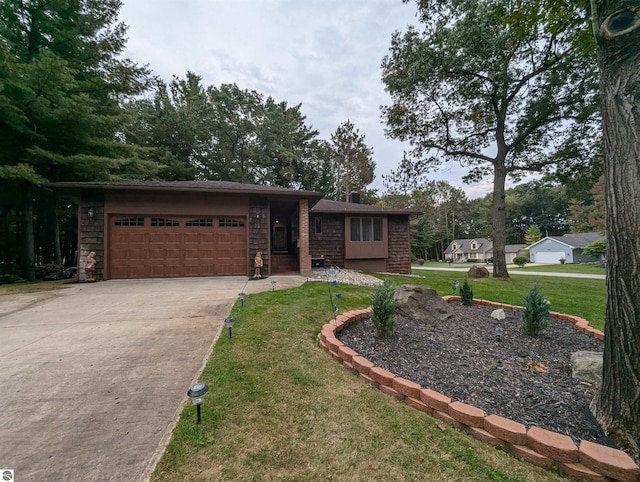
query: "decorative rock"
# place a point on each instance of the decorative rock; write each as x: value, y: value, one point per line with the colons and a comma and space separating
x: 498, y: 314
x: 587, y: 366
x: 421, y: 303
x: 478, y: 272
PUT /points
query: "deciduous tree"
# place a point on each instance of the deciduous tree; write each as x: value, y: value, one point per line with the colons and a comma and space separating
x: 500, y: 97
x: 616, y: 25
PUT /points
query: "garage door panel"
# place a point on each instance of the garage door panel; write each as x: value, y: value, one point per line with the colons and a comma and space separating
x: 549, y: 256
x: 176, y: 247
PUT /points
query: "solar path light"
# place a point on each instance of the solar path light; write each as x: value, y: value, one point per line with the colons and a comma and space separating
x: 228, y: 322
x: 196, y: 393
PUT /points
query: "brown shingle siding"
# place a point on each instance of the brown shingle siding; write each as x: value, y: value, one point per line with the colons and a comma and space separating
x: 259, y: 233
x: 330, y: 243
x: 399, y: 245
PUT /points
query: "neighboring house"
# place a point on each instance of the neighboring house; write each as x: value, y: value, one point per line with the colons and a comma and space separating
x: 460, y: 250
x: 480, y: 249
x: 215, y: 228
x: 512, y: 251
x: 568, y: 247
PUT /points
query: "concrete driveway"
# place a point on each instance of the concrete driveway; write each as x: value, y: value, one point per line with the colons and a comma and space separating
x: 93, y: 377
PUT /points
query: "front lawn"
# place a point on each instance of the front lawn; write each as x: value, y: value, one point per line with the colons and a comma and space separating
x: 575, y: 296
x: 583, y: 268
x: 279, y: 408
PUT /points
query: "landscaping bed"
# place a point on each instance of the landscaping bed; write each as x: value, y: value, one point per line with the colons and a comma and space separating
x: 526, y: 379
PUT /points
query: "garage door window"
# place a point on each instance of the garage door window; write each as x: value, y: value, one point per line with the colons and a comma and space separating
x: 230, y: 223
x: 129, y: 222
x: 200, y: 223
x: 164, y: 222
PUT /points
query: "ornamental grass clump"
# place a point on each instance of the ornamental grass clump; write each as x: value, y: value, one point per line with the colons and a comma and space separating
x: 535, y: 314
x: 466, y: 294
x: 383, y: 309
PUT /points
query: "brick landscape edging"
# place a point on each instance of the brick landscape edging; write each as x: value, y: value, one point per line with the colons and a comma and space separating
x: 589, y: 461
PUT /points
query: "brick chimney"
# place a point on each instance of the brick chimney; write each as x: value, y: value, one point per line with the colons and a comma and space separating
x: 354, y: 197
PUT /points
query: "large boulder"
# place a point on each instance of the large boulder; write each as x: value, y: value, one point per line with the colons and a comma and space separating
x: 421, y: 303
x: 587, y: 366
x: 478, y: 272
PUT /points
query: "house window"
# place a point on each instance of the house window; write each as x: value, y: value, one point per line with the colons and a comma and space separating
x: 230, y: 223
x: 366, y: 229
x: 129, y: 222
x: 199, y: 223
x: 164, y: 222
x: 454, y: 246
x: 474, y: 246
x: 318, y: 225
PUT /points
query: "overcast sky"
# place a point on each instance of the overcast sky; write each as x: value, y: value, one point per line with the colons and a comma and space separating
x: 325, y: 54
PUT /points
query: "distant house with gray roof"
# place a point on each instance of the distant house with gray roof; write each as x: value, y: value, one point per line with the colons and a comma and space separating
x: 479, y: 249
x: 552, y: 249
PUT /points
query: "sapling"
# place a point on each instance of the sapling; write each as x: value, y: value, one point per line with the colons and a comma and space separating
x: 383, y: 309
x: 535, y: 314
x: 466, y: 294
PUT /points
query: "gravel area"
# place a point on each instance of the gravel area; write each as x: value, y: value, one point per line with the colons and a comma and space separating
x: 523, y: 378
x: 347, y: 276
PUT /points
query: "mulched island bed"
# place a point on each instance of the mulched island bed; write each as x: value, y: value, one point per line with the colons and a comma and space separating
x: 461, y: 358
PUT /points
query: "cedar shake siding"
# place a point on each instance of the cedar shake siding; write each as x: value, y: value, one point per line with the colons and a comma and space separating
x: 329, y: 243
x: 259, y: 234
x: 399, y: 260
x: 91, y: 234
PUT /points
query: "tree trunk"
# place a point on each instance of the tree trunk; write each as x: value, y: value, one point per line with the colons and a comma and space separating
x: 617, y: 406
x: 499, y: 223
x: 28, y: 255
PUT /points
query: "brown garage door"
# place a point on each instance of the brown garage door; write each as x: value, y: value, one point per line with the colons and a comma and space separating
x: 176, y: 246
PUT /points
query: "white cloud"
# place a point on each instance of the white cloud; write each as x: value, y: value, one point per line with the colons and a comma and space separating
x: 325, y: 54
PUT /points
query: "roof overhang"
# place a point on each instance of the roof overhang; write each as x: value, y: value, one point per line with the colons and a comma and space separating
x: 218, y: 187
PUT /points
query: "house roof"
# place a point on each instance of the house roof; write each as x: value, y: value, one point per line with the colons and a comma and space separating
x: 338, y: 207
x: 464, y: 245
x: 513, y: 248
x: 577, y: 240
x: 190, y: 186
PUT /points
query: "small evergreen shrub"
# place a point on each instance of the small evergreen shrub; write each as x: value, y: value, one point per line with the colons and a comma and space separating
x: 535, y: 315
x: 520, y: 261
x: 383, y: 309
x: 420, y: 261
x: 472, y: 260
x: 466, y: 294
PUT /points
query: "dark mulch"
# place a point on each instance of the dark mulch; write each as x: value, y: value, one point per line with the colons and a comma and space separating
x: 462, y: 359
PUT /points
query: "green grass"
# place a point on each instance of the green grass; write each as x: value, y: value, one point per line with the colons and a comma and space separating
x: 280, y: 408
x: 575, y: 296
x: 583, y: 268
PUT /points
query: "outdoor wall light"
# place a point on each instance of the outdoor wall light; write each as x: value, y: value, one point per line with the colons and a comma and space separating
x: 196, y: 393
x: 228, y: 322
x: 241, y: 296
x: 92, y: 214
x: 273, y: 286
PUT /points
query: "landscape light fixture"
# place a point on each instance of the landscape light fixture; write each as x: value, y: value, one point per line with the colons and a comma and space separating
x: 273, y: 286
x: 241, y: 296
x: 92, y: 214
x: 228, y: 322
x: 499, y: 332
x: 196, y: 393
